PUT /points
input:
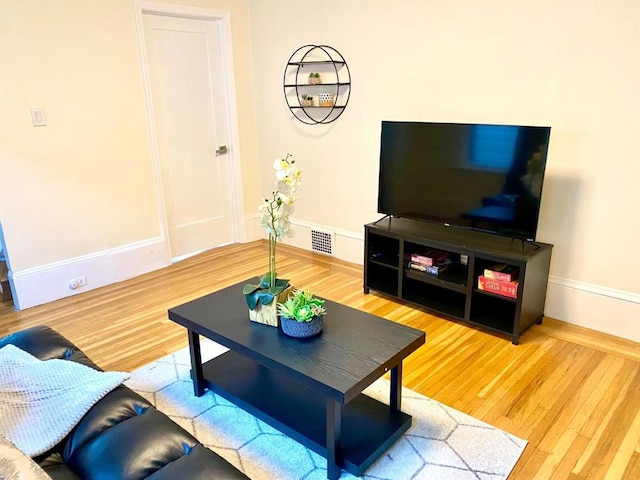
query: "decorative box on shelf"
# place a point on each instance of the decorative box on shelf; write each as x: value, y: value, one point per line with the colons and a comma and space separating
x: 326, y: 99
x: 499, y: 287
x: 502, y: 272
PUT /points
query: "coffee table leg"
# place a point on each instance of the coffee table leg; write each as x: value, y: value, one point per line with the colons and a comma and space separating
x: 395, y: 400
x: 196, y: 363
x: 334, y: 432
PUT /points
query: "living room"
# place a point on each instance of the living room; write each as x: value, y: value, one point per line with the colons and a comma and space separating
x: 79, y: 196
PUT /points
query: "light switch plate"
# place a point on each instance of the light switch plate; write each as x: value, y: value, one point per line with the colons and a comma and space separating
x: 38, y: 118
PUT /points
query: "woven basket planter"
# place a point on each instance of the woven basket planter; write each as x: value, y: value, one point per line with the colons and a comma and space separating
x: 297, y: 329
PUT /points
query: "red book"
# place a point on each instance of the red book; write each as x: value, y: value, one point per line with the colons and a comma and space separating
x: 506, y: 289
x: 421, y: 259
x: 502, y: 272
x: 432, y: 257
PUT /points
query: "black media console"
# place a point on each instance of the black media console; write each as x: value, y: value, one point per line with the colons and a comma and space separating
x: 454, y: 292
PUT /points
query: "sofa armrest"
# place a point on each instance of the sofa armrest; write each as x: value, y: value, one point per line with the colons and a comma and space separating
x: 45, y: 343
x: 123, y: 435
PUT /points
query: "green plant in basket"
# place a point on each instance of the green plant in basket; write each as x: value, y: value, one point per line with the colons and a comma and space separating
x: 314, y: 78
x: 302, y: 306
x: 264, y: 292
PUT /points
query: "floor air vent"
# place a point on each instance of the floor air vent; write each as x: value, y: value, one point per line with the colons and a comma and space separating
x: 322, y: 242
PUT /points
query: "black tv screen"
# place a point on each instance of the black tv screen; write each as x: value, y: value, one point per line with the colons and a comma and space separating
x: 484, y: 177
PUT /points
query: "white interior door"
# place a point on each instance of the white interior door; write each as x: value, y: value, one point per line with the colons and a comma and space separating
x: 191, y: 125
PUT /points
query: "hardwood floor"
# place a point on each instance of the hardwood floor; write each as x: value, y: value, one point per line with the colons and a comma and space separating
x: 574, y: 394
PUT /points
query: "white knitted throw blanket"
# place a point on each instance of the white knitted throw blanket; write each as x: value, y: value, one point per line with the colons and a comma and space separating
x: 41, y: 401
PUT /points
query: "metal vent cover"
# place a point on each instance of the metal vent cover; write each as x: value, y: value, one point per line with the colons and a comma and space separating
x: 322, y: 242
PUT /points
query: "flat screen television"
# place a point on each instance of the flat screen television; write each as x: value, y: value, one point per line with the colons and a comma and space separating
x: 483, y: 177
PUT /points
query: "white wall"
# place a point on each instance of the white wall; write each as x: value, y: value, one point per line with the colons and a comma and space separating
x: 78, y: 196
x: 571, y: 65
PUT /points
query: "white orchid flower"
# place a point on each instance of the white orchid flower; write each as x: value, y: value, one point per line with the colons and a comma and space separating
x: 287, y: 198
x: 277, y: 208
x: 287, y: 209
x: 280, y: 164
x: 296, y: 175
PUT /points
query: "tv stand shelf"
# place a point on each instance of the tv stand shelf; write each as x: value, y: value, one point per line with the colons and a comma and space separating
x: 454, y: 292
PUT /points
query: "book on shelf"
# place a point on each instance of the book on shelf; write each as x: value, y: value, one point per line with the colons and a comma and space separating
x: 499, y: 287
x: 502, y: 272
x: 430, y: 269
x: 429, y: 258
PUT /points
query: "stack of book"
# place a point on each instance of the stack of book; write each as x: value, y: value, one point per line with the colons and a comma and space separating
x: 500, y: 279
x: 432, y: 262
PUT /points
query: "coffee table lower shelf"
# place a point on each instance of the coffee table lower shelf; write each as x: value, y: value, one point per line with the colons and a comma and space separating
x: 368, y: 427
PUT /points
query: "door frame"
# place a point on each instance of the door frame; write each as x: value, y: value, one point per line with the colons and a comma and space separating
x: 231, y: 113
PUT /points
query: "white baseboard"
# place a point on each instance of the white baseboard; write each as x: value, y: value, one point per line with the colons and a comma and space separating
x: 347, y: 246
x: 47, y: 283
x: 615, y: 312
x: 36, y: 286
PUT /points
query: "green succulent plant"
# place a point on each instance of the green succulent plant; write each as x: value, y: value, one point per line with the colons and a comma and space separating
x: 302, y: 306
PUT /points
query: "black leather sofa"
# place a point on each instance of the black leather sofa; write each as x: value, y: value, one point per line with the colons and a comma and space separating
x: 123, y: 436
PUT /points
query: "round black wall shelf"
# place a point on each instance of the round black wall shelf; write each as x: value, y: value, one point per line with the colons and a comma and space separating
x: 317, y: 84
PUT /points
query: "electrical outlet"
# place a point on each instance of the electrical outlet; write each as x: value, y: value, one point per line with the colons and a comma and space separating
x: 77, y: 282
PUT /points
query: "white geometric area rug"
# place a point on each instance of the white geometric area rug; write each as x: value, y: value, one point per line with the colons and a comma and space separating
x: 442, y: 443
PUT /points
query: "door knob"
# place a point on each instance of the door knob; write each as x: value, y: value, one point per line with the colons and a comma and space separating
x: 221, y: 150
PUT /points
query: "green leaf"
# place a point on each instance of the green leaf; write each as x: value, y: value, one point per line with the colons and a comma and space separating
x: 262, y: 293
x: 265, y: 280
x: 276, y: 290
x: 250, y: 289
x: 266, y: 298
x: 251, y: 299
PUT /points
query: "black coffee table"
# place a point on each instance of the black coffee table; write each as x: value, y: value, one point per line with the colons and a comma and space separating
x: 309, y: 389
